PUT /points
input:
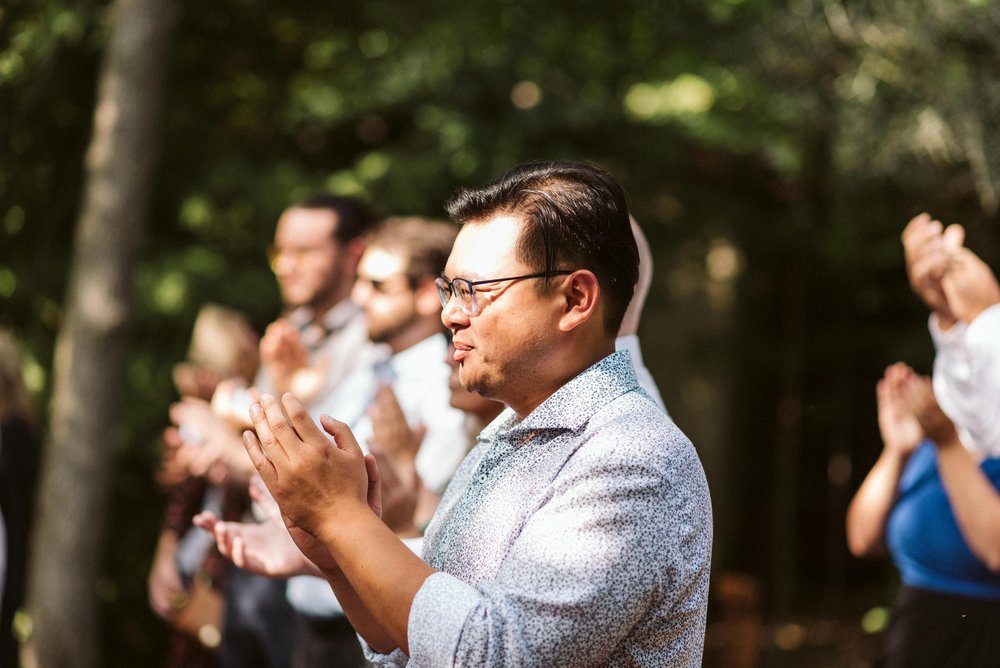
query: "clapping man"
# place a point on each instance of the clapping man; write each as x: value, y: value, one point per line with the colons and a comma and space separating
x: 578, y: 530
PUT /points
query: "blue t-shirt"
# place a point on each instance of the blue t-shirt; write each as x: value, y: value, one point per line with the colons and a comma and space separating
x: 923, y: 535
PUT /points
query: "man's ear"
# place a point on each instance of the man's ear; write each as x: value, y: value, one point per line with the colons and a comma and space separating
x: 581, y: 294
x: 428, y: 302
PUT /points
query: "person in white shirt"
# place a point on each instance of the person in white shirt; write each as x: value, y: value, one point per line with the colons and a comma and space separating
x: 628, y: 333
x: 395, y: 289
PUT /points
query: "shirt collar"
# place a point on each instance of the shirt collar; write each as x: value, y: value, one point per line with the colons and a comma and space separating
x: 315, y: 331
x: 334, y: 319
x: 570, y: 407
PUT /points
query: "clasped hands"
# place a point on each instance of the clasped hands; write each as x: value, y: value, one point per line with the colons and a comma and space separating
x: 955, y: 283
x: 317, y: 481
x: 908, y: 412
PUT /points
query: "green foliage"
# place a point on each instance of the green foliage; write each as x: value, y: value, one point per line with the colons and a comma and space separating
x: 800, y: 135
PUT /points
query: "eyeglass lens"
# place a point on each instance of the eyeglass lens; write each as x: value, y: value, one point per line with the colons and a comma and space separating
x: 461, y: 289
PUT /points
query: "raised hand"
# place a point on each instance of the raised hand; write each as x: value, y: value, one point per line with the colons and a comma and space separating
x: 391, y: 432
x: 282, y: 353
x: 901, y: 431
x: 231, y: 401
x: 927, y: 247
x: 175, y: 467
x: 918, y: 397
x: 211, y: 445
x: 969, y: 285
x: 400, y: 493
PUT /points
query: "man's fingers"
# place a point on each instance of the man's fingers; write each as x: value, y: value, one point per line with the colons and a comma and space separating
x: 341, y: 433
x: 952, y: 238
x: 914, y: 224
x: 257, y: 455
x: 279, y: 423
x: 929, y: 266
x: 299, y: 419
x: 917, y: 230
x: 264, y: 443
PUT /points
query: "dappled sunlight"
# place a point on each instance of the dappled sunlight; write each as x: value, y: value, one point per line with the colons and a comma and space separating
x: 686, y: 95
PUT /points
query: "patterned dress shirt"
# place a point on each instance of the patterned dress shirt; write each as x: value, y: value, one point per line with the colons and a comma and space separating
x: 578, y: 536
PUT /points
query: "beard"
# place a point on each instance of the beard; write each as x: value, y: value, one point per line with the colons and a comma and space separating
x: 386, y: 332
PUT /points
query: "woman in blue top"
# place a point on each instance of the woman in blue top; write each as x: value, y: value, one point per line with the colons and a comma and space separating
x: 935, y: 507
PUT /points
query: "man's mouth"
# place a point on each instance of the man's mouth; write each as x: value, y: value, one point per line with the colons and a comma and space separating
x: 461, y: 351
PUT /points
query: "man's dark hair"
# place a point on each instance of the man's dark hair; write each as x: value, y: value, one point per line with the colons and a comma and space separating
x: 354, y: 218
x: 575, y: 216
x: 426, y: 244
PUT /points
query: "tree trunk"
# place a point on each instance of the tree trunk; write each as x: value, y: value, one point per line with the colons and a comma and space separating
x: 91, y: 348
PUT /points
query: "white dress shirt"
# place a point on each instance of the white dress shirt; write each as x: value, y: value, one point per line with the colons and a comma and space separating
x: 967, y: 379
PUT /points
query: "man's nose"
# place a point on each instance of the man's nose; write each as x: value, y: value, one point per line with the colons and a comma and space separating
x: 360, y: 292
x: 452, y: 314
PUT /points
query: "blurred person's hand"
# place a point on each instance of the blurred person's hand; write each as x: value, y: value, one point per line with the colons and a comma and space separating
x: 173, y: 469
x: 900, y: 429
x: 918, y: 396
x: 927, y: 247
x: 263, y: 548
x: 192, y: 380
x: 391, y: 432
x: 231, y: 401
x: 969, y: 285
x: 400, y: 492
x: 282, y: 353
x: 212, y: 446
x: 164, y: 584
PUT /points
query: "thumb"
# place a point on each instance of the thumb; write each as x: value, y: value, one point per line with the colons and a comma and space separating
x: 341, y: 433
x: 953, y: 238
x: 374, y: 486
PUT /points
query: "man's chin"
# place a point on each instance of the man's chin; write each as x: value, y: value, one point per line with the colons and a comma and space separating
x: 470, y: 382
x: 294, y: 299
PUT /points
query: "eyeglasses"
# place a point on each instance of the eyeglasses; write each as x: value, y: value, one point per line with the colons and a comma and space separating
x: 465, y: 290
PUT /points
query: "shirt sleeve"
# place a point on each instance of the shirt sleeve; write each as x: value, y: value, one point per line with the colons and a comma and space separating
x: 967, y: 378
x: 614, y: 547
x: 396, y: 659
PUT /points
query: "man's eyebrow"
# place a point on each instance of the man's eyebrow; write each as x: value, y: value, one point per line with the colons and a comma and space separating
x: 468, y: 275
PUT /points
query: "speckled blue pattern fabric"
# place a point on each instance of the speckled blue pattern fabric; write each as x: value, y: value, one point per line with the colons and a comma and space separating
x: 579, y: 536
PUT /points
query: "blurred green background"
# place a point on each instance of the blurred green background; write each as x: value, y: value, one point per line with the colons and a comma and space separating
x: 773, y: 151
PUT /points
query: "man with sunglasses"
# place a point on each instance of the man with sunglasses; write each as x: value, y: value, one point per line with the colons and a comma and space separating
x: 578, y: 531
